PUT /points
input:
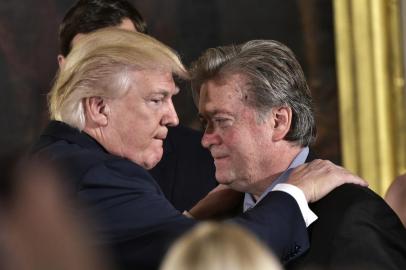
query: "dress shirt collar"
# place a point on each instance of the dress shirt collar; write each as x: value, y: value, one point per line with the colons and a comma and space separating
x: 249, y: 201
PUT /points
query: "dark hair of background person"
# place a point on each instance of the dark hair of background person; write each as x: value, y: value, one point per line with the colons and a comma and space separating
x: 89, y: 15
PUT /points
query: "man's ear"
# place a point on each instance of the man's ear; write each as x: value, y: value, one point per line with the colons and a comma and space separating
x: 61, y: 60
x: 281, y: 121
x: 97, y: 111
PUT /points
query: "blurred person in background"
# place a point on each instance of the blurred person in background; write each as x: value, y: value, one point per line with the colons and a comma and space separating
x: 39, y: 228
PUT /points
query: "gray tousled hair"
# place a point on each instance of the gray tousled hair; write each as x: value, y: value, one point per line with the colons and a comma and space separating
x: 273, y: 78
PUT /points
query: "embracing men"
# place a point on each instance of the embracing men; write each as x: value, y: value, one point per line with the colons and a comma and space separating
x: 111, y: 106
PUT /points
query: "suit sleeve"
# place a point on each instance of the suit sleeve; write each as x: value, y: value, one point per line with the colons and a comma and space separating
x: 278, y: 222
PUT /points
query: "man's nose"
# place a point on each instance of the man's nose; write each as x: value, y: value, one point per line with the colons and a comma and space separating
x: 210, y: 138
x: 170, y: 118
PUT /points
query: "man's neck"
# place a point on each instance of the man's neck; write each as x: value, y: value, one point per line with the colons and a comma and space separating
x: 280, y: 164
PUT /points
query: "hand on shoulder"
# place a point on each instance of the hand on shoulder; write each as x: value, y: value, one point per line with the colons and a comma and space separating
x: 319, y: 177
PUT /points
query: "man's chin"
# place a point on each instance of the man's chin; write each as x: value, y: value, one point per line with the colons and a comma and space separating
x: 148, y: 165
x: 223, y: 179
x: 151, y: 160
x: 155, y: 159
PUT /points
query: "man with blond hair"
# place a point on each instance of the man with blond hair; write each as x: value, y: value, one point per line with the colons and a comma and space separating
x: 184, y: 158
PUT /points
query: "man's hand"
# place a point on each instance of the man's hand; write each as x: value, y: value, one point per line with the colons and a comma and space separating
x: 221, y: 201
x: 317, y: 178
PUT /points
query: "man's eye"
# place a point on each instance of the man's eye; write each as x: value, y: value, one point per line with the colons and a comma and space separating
x: 203, y: 123
x: 222, y: 122
x: 156, y: 101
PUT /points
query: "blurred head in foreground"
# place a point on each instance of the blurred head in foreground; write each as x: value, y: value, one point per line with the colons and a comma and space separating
x: 38, y: 226
x: 219, y: 246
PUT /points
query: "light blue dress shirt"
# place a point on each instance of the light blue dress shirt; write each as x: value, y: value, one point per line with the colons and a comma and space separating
x: 249, y: 201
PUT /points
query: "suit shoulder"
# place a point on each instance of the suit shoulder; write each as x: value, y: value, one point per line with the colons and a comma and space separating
x: 352, y: 193
x: 351, y: 200
x: 344, y: 198
x: 79, y: 163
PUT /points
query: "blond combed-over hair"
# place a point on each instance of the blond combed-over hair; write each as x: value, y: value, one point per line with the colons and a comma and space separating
x: 99, y: 66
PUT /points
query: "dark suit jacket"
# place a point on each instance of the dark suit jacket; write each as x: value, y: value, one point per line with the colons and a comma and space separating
x: 133, y: 216
x: 186, y: 171
x: 355, y: 229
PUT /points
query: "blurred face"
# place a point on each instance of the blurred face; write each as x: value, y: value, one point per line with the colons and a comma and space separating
x: 137, y: 123
x: 239, y: 142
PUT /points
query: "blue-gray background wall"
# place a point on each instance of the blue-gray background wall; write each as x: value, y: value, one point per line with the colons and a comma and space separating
x: 28, y: 49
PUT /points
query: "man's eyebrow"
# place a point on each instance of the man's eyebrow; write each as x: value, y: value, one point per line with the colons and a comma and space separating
x: 166, y: 92
x: 162, y: 92
x: 210, y: 113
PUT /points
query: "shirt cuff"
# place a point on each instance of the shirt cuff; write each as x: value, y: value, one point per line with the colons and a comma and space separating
x: 308, y: 215
x: 187, y: 214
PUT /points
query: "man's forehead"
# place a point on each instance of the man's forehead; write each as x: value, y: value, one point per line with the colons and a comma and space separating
x: 155, y: 80
x: 222, y: 95
x: 229, y: 78
x: 228, y: 87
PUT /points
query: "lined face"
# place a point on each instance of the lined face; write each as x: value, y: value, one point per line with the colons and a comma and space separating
x: 238, y: 141
x: 138, y: 121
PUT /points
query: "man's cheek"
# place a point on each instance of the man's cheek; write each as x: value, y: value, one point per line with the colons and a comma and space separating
x: 231, y: 140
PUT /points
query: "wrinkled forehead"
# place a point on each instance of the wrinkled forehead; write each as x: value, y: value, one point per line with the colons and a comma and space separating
x: 222, y: 93
x: 232, y: 85
x: 149, y: 81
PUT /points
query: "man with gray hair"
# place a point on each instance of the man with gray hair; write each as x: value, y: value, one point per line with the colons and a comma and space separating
x: 257, y: 110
